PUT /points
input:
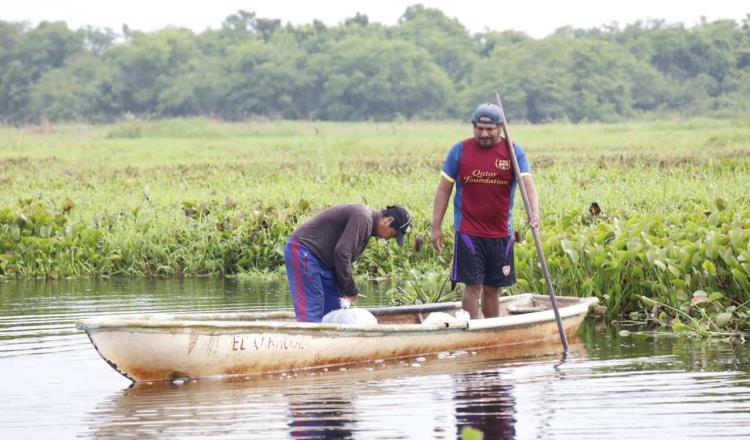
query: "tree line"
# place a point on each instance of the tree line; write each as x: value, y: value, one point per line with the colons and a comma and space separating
x: 427, y: 66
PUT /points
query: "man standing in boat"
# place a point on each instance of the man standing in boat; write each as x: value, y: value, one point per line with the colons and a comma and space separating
x: 320, y: 253
x: 482, y: 171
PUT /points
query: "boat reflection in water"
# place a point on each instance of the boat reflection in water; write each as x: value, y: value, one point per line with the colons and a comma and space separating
x: 431, y: 396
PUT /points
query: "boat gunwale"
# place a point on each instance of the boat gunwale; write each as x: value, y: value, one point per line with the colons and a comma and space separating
x: 174, y: 323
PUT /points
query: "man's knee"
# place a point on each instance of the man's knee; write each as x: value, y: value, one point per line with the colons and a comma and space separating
x: 490, y: 291
x: 473, y: 289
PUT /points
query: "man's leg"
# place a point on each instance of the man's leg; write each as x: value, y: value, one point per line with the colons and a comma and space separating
x: 490, y: 301
x: 294, y: 276
x: 498, y: 272
x: 466, y: 270
x: 306, y: 288
x: 331, y: 291
x: 470, y: 302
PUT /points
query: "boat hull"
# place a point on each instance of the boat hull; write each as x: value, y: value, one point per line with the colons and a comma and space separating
x: 149, y: 348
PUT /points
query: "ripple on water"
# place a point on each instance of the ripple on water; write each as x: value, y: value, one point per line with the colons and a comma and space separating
x: 55, y: 385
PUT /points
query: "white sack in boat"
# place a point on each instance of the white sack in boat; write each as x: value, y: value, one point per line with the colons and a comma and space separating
x: 345, y: 302
x: 350, y: 316
x: 442, y: 317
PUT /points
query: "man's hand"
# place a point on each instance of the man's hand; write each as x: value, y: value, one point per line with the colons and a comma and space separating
x: 437, y: 239
x: 348, y: 300
x: 535, y: 221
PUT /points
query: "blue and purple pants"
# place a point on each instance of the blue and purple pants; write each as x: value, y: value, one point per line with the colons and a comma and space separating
x: 314, y: 287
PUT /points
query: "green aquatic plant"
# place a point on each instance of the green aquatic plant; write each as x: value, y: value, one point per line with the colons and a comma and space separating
x: 658, y: 256
x: 417, y: 287
x: 470, y: 433
x: 629, y: 210
x: 705, y: 315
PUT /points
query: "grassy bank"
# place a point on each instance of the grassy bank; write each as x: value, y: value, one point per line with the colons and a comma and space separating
x: 199, y: 197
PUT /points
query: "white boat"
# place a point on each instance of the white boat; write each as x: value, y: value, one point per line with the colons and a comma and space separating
x: 156, y: 347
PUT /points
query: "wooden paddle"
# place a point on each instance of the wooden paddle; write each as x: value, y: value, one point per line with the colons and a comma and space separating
x: 534, y: 229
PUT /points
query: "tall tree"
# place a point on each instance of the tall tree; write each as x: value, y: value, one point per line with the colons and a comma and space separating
x: 446, y: 40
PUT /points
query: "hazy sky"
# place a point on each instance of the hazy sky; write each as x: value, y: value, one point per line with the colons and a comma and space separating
x: 537, y: 18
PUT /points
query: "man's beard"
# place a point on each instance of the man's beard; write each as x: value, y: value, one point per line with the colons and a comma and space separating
x: 486, y: 142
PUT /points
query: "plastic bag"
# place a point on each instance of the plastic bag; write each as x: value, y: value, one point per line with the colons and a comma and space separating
x: 345, y: 302
x: 447, y: 318
x: 350, y: 316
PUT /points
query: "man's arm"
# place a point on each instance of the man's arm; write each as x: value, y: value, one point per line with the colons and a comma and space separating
x: 439, y: 206
x: 355, y: 231
x: 533, y: 196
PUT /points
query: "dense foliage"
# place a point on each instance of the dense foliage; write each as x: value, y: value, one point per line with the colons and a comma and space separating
x: 427, y: 66
x: 667, y: 241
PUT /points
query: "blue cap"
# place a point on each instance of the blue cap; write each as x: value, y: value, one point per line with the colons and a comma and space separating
x: 487, y: 114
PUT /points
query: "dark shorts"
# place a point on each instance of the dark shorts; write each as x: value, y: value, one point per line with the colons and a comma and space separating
x: 481, y: 260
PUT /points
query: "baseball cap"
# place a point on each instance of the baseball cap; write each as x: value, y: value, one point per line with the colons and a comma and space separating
x: 487, y: 114
x: 401, y: 221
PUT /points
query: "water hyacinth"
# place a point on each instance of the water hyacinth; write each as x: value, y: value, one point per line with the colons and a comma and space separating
x: 622, y: 219
x: 669, y: 258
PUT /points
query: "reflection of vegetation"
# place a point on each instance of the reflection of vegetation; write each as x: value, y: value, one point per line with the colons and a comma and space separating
x: 170, y: 204
x: 663, y: 348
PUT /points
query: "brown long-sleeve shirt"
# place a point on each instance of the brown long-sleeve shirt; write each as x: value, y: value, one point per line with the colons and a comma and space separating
x: 338, y: 236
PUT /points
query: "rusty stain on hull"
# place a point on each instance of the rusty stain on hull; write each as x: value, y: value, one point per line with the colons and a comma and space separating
x: 168, y: 347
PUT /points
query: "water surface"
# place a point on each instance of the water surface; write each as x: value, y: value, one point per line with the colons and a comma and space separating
x: 54, y: 385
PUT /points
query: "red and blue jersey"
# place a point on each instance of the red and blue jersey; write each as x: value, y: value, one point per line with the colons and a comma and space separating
x: 485, y: 186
